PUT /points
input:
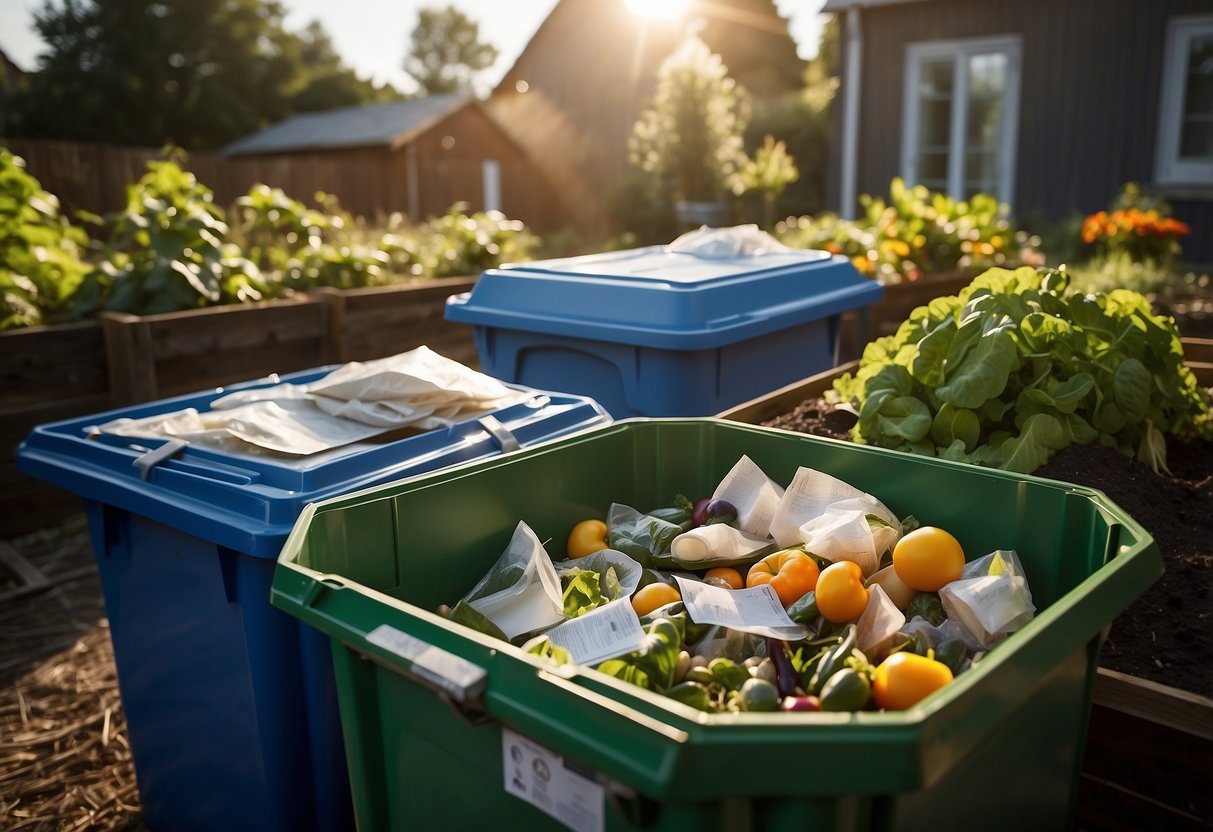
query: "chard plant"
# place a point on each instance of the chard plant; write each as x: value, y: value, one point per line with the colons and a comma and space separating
x: 1017, y: 367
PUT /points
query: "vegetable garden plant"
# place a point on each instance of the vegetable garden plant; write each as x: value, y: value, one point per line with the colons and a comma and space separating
x: 1016, y: 367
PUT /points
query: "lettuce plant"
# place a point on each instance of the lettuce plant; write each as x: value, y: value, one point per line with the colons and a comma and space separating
x: 1017, y: 367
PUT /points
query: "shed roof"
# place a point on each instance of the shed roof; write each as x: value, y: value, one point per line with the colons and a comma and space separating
x: 832, y: 6
x: 370, y: 125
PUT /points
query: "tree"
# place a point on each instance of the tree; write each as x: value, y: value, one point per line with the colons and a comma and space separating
x: 196, y: 73
x: 447, y: 51
x: 330, y: 83
x: 691, y: 137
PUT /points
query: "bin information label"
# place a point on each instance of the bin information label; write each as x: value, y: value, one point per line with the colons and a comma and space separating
x: 754, y: 610
x: 602, y: 633
x: 544, y: 779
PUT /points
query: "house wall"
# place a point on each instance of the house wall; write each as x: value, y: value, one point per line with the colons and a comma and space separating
x: 1088, y: 115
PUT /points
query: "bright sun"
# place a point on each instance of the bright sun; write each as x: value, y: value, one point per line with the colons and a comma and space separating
x: 664, y: 9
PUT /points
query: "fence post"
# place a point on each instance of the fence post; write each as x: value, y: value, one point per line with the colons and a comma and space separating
x: 336, y: 344
x: 131, y: 359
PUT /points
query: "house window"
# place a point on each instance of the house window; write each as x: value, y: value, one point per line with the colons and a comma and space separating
x: 961, y: 114
x: 1185, y: 127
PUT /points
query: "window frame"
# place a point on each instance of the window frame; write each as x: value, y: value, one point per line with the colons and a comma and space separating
x: 959, y: 51
x: 1169, y: 169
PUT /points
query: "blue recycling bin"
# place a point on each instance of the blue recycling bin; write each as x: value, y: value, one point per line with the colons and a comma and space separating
x: 653, y: 332
x: 231, y: 705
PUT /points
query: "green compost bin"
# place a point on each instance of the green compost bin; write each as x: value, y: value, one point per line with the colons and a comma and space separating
x: 438, y: 718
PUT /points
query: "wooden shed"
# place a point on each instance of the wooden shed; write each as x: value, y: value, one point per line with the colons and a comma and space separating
x: 417, y: 156
x: 1050, y: 106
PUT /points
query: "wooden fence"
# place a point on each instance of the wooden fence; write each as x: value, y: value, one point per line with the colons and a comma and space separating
x: 52, y: 373
x: 95, y: 177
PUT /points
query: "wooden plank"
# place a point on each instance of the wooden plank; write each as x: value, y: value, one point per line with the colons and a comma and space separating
x: 1178, y: 709
x: 1139, y: 774
x: 51, y: 363
x: 384, y: 321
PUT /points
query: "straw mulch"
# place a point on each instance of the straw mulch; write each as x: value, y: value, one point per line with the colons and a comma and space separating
x: 64, y: 759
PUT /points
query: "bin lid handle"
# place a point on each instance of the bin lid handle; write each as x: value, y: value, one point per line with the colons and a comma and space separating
x: 506, y: 440
x: 154, y: 457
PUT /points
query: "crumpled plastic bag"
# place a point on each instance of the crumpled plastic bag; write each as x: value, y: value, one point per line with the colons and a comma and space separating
x: 990, y: 599
x: 521, y: 591
x: 735, y: 241
x: 627, y: 571
x: 834, y: 520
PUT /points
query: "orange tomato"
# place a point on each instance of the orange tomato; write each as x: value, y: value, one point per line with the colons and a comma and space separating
x: 904, y: 679
x: 841, y: 595
x: 586, y: 538
x: 727, y: 574
x: 927, y: 558
x: 653, y: 596
x: 791, y: 573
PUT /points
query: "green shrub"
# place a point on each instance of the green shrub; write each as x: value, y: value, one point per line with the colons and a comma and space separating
x: 917, y: 232
x: 41, y: 253
x: 167, y: 252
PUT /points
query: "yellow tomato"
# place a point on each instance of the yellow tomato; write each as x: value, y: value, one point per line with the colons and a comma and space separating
x: 904, y: 679
x: 791, y: 573
x: 653, y: 596
x: 927, y: 558
x: 727, y: 574
x: 586, y: 538
x: 841, y: 595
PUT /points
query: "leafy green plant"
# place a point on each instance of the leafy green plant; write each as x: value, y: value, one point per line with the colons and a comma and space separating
x: 458, y: 243
x: 41, y: 253
x: 917, y: 232
x: 1016, y: 367
x: 167, y: 252
x: 271, y: 226
x: 769, y: 172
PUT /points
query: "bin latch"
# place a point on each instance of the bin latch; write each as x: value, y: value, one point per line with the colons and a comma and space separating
x: 152, y: 458
x: 500, y: 432
x: 454, y: 677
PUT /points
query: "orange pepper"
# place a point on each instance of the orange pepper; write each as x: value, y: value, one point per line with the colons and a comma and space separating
x: 791, y: 573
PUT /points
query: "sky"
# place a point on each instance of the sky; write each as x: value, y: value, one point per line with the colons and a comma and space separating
x: 372, y: 36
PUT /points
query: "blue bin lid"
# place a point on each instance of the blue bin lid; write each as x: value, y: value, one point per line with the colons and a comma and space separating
x: 653, y: 297
x: 249, y: 502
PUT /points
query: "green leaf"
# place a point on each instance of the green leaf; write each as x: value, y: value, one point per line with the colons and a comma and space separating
x: 582, y: 592
x: 904, y: 419
x: 1041, y: 435
x: 983, y: 374
x: 1064, y: 396
x: 1131, y: 386
x: 467, y: 615
x: 953, y: 424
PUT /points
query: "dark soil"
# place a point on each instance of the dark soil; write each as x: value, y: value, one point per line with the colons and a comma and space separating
x: 1165, y: 635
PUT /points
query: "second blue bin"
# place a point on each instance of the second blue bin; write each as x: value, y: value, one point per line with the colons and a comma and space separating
x: 655, y: 332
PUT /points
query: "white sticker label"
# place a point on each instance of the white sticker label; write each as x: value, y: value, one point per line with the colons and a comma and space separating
x: 754, y: 610
x: 602, y: 633
x: 546, y: 780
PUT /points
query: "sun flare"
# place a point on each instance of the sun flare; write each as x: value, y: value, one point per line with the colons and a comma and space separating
x: 664, y: 9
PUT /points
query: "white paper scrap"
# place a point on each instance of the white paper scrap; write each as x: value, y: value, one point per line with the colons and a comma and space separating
x: 547, y: 781
x: 755, y: 495
x: 600, y: 634
x: 755, y: 610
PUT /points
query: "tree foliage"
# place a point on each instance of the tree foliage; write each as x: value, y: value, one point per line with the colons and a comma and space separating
x: 446, y: 51
x: 196, y: 73
x: 690, y: 139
